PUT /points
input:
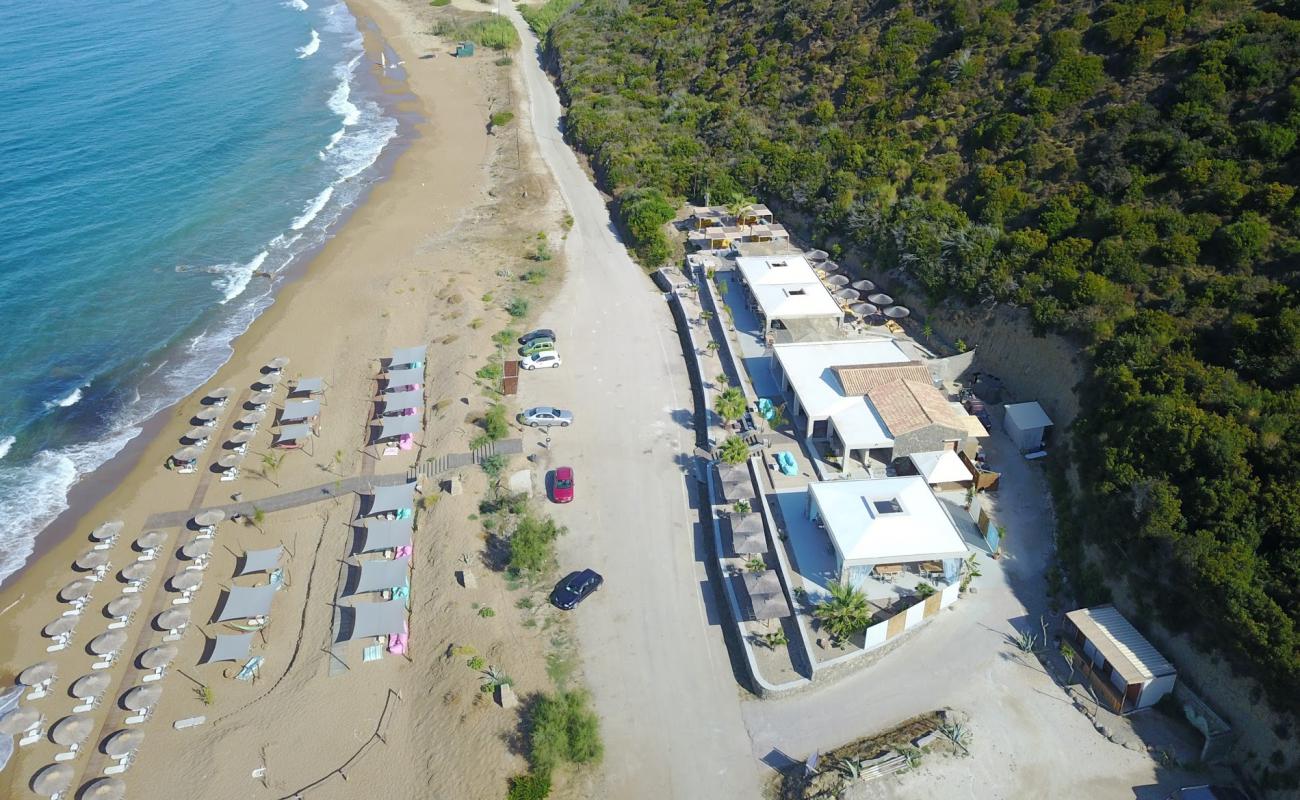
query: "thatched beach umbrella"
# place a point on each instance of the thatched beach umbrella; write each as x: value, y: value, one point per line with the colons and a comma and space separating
x: 19, y: 720
x: 278, y: 363
x: 72, y: 730
x: 838, y: 281
x: 260, y: 398
x: 107, y: 530
x: 864, y: 309
x: 208, y: 413
x: 881, y: 299
x: 252, y: 418
x: 196, y: 548
x: 104, y: 789
x: 187, y: 455
x: 123, y: 605
x: 747, y: 533
x: 220, y: 393
x: 897, y: 312
x: 864, y: 285
x: 270, y: 380
x: 187, y: 579
x: 736, y: 483
x: 92, y: 685
x: 242, y: 437
x: 60, y: 626
x: 230, y: 460
x: 123, y: 742
x: 848, y: 295
x: 828, y: 266
x: 816, y: 255
x: 156, y: 657
x: 91, y: 559
x: 52, y: 779
x: 108, y: 642
x: 174, y: 617
x: 210, y: 517
x: 75, y: 590
x: 141, y: 697
x: 151, y: 539
x: 139, y: 570
x: 197, y: 434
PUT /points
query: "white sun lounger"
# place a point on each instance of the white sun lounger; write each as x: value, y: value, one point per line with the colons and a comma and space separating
x: 174, y: 634
x: 89, y: 705
x: 107, y: 660
x: 230, y: 474
x: 70, y: 754
x: 122, y: 765
x: 139, y: 718
x: 156, y: 675
x: 33, y: 735
x: 77, y: 605
x: 60, y: 642
x: 107, y: 544
x: 41, y: 689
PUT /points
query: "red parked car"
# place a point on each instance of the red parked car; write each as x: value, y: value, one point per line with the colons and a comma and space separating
x: 562, y: 489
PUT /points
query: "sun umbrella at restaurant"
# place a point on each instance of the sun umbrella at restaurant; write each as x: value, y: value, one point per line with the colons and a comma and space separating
x: 75, y: 590
x: 848, y: 294
x: 208, y: 413
x: 838, y: 281
x: 220, y: 393
x: 92, y: 685
x: 123, y: 605
x: 52, y: 779
x: 881, y: 299
x: 138, y: 570
x: 828, y: 266
x: 91, y: 559
x: 816, y: 255
x: 123, y: 742
x: 197, y: 434
x: 277, y: 363
x: 863, y: 285
x: 864, y: 309
x: 252, y: 418
x: 60, y: 626
x: 260, y: 398
x: 142, y: 697
x: 104, y: 789
x: 107, y: 530
x: 40, y: 671
x: 19, y: 720
x: 188, y: 579
x: 108, y: 642
x: 230, y: 461
x: 242, y: 437
x: 72, y: 730
x: 151, y: 539
x: 196, y: 548
x: 156, y: 657
x: 174, y: 617
x: 897, y: 312
x: 186, y: 454
x: 210, y: 517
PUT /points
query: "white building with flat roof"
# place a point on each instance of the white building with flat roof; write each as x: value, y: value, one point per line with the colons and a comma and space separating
x: 884, y: 521
x: 786, y: 288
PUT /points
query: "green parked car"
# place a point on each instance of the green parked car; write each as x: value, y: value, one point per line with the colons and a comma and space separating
x: 537, y: 346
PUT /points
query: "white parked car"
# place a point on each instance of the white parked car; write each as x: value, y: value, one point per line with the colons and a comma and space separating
x: 541, y: 360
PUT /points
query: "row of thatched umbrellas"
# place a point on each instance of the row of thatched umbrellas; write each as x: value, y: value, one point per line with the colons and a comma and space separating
x: 850, y: 291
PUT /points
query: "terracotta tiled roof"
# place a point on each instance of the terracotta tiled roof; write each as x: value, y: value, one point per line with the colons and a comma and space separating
x: 905, y: 406
x: 858, y: 379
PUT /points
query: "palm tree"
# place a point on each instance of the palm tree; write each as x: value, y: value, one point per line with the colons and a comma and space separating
x: 734, y: 451
x: 739, y: 203
x: 271, y: 465
x: 1067, y: 652
x: 730, y: 404
x: 845, y: 613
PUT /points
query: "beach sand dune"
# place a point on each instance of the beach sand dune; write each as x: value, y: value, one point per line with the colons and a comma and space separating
x: 421, y: 262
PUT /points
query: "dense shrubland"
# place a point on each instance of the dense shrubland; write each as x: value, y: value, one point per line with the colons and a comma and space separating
x: 1125, y: 171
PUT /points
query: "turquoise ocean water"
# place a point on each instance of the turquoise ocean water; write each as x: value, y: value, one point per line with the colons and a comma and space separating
x: 160, y: 159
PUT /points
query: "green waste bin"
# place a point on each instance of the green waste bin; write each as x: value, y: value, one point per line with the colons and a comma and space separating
x: 464, y: 49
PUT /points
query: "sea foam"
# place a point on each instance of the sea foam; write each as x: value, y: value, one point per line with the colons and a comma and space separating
x: 234, y: 278
x: 6, y: 443
x: 311, y: 47
x: 297, y: 5
x: 69, y: 399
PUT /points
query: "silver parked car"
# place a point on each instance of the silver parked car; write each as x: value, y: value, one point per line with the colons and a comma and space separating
x: 545, y: 416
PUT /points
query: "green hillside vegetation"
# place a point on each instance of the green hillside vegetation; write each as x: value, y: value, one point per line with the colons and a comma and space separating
x: 1125, y: 171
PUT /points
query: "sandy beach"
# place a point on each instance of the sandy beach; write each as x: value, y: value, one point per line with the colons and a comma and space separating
x: 430, y: 258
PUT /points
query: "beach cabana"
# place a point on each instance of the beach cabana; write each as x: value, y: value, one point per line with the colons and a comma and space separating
x: 245, y: 601
x: 392, y: 427
x: 407, y: 356
x: 385, y: 499
x: 259, y: 561
x: 399, y: 401
x: 297, y: 410
x: 379, y: 574
x: 292, y: 435
x: 227, y: 647
x: 385, y: 534
x: 747, y: 534
x: 309, y: 386
x: 404, y: 377
x: 372, y: 619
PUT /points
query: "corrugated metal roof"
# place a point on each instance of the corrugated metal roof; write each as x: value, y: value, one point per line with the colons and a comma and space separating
x: 1127, y: 650
x: 858, y: 379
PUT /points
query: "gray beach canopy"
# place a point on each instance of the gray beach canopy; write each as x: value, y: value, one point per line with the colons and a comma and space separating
x: 396, y: 401
x: 198, y: 434
x: 404, y: 377
x: 864, y: 309
x: 108, y: 642
x: 186, y: 579
x: 864, y: 285
x: 227, y: 647
x: 259, y: 561
x: 107, y: 530
x: 186, y: 454
x: 19, y: 720
x: 828, y: 266
x: 384, y: 534
x: 408, y: 355
x: 52, y: 779
x: 92, y: 559
x: 174, y: 617
x: 151, y: 539
x: 139, y: 570
x: 848, y: 295
x: 92, y: 685
x: 309, y: 386
x: 391, y: 498
x: 245, y: 601
x: 196, y: 547
x: 210, y: 517
x: 208, y: 413
x: 122, y: 605
x: 221, y: 393
x: 747, y: 533
x: 897, y: 312
x: 159, y: 656
x: 881, y: 299
x: 838, y: 281
x: 139, y: 698
x: 817, y: 255
x: 105, y: 789
x: 123, y: 742
x: 60, y: 626
x: 379, y: 574
x: 293, y: 433
x: 72, y: 730
x: 75, y: 590
x: 373, y: 619
x: 398, y: 426
x: 295, y: 410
